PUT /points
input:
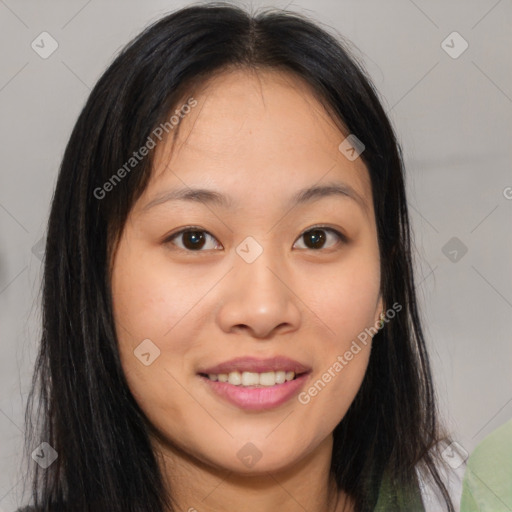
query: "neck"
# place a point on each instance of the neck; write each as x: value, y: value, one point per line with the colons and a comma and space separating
x: 196, y: 486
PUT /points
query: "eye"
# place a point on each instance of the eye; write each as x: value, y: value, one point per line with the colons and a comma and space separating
x: 316, y: 237
x: 193, y: 238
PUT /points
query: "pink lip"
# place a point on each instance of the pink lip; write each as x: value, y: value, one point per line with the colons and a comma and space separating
x: 257, y: 398
x: 256, y: 365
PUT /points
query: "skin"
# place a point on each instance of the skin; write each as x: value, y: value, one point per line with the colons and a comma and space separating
x: 257, y: 138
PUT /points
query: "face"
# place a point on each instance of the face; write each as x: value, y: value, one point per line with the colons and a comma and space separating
x: 268, y: 281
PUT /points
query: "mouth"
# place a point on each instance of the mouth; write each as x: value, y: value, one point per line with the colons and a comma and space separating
x: 255, y: 384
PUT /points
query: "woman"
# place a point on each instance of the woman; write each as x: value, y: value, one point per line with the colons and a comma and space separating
x: 229, y: 310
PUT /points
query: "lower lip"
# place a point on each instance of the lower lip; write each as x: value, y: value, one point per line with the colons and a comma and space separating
x: 257, y: 399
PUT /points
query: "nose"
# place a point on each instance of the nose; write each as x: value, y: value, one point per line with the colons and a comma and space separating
x: 257, y: 297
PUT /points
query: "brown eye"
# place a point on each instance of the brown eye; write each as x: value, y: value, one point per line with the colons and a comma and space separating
x: 192, y: 239
x: 316, y: 238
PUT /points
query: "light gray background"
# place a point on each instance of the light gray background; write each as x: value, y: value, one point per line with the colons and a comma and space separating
x: 453, y: 118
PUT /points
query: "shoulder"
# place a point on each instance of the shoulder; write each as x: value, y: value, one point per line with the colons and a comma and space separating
x: 489, y: 472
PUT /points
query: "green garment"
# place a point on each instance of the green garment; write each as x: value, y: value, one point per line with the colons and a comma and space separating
x: 487, y: 484
x: 389, y: 501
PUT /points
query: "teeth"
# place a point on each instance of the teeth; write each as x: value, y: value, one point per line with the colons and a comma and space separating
x: 280, y: 377
x: 252, y: 378
x: 267, y: 378
x: 235, y: 378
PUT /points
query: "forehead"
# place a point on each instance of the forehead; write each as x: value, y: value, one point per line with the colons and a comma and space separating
x: 259, y: 130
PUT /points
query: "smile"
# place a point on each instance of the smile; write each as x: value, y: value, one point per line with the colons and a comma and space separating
x: 251, y: 379
x: 255, y: 384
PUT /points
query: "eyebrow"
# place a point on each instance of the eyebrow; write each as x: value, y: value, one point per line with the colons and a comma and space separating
x: 305, y: 195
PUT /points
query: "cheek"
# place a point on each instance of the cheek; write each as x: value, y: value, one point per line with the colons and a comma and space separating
x: 346, y: 297
x: 345, y: 302
x: 151, y: 296
x: 150, y: 303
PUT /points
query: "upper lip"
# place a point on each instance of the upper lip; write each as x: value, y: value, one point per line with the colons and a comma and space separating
x: 257, y: 365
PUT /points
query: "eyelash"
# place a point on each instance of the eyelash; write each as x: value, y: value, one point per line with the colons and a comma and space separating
x: 341, y: 237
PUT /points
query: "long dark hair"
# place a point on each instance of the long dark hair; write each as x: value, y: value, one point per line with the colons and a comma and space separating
x: 85, y: 410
